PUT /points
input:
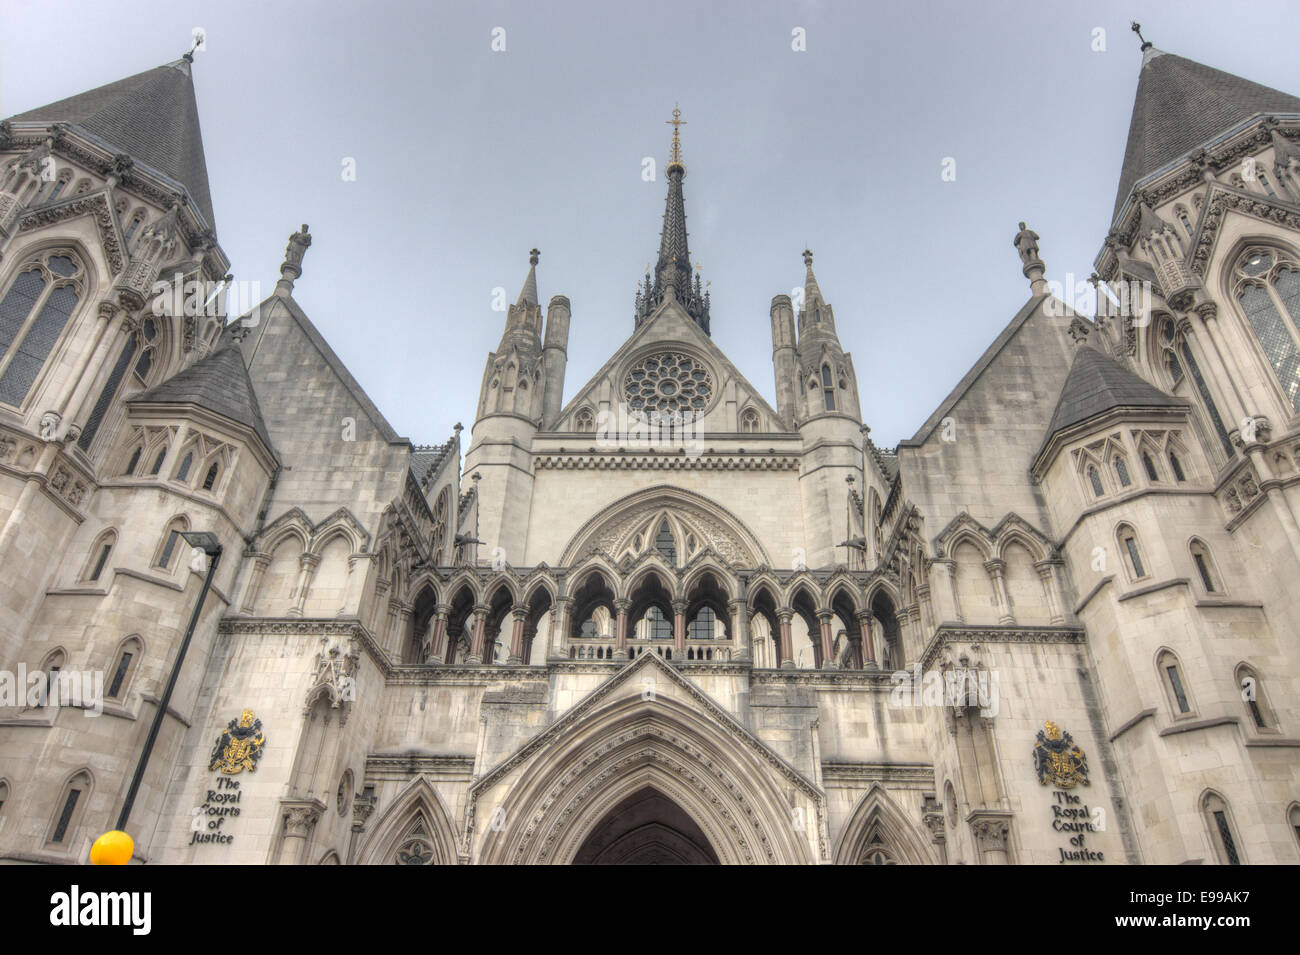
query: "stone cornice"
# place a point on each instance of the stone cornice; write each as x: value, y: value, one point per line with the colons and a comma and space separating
x: 864, y: 773
x: 870, y: 679
x: 651, y: 461
x: 309, y: 626
x: 948, y: 634
x: 409, y: 765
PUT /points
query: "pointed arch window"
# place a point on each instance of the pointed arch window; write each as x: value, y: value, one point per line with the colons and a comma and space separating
x: 1171, y: 676
x: 183, y: 472
x: 142, y: 343
x: 135, y: 225
x: 665, y: 544
x: 210, y: 480
x: 171, y: 543
x: 1149, y: 466
x: 1177, y: 467
x: 1222, y: 831
x: 50, y: 667
x: 69, y: 809
x: 1252, y: 695
x: 1267, y: 289
x: 1128, y: 546
x: 1121, y: 471
x: 749, y: 421
x: 584, y: 421
x: 1205, y: 567
x: 133, y: 462
x: 33, y: 316
x: 1207, y: 400
x: 1094, y: 479
x: 158, y: 462
x: 828, y: 388
x: 124, y: 667
x: 99, y: 554
x: 64, y: 178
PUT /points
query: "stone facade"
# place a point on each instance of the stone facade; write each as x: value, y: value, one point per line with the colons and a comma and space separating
x: 664, y: 621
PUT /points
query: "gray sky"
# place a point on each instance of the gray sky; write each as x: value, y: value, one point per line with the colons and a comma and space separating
x: 466, y: 158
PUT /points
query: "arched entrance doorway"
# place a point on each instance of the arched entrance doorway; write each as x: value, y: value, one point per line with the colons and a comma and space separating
x: 646, y: 828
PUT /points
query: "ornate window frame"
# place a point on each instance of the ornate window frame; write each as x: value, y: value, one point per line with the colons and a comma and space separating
x: 1258, y: 266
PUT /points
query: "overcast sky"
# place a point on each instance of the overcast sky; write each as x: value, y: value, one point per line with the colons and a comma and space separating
x: 468, y: 157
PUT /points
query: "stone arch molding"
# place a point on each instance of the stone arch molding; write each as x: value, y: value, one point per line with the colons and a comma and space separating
x: 419, y: 804
x: 314, y: 536
x: 876, y: 820
x: 647, y: 727
x: 613, y: 529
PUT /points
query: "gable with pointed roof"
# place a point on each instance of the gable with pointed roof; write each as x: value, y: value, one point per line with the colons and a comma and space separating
x: 1181, y: 105
x: 219, y: 383
x: 153, y: 117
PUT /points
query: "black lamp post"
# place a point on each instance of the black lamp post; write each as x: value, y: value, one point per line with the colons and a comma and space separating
x: 209, y: 544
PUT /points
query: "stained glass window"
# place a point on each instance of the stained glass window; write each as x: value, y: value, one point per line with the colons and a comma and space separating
x: 1207, y: 399
x: 29, y: 356
x: 106, y: 397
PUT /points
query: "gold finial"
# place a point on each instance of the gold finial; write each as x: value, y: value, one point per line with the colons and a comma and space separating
x: 676, y: 122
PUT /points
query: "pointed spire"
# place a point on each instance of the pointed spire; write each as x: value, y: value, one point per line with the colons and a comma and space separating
x: 1181, y: 105
x: 524, y: 318
x: 672, y: 273
x: 811, y: 290
x: 152, y: 117
x: 528, y: 294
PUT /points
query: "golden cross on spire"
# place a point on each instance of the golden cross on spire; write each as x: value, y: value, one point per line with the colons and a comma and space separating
x: 676, y: 122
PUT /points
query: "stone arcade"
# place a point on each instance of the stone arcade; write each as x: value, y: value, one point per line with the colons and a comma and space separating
x: 589, y: 646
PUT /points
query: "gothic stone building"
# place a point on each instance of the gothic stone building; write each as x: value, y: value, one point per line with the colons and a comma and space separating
x: 1051, y: 627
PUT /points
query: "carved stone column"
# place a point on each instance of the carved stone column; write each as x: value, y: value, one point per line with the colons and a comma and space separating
x: 299, y: 820
x: 260, y: 563
x: 785, y: 644
x: 679, y: 628
x: 992, y: 837
x: 559, y: 624
x: 926, y: 612
x: 1051, y: 590
x: 401, y: 626
x: 867, y: 640
x: 307, y: 565
x: 478, y: 635
x: 997, y: 570
x: 517, y: 635
x: 621, y: 606
x: 824, y: 619
x: 439, y: 649
x: 932, y: 816
x: 740, y: 629
x: 103, y: 340
x: 943, y: 591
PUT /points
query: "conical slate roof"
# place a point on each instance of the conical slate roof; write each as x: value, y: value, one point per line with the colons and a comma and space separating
x: 219, y: 383
x: 1181, y: 105
x: 152, y: 117
x: 1095, y: 384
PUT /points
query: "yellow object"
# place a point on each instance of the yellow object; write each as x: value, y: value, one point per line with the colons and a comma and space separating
x: 112, y: 848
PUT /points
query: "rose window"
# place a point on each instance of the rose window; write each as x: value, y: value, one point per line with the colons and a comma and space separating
x: 669, y: 383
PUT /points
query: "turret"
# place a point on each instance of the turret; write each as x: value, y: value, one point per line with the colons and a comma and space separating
x: 826, y: 379
x: 554, y: 358
x: 784, y: 358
